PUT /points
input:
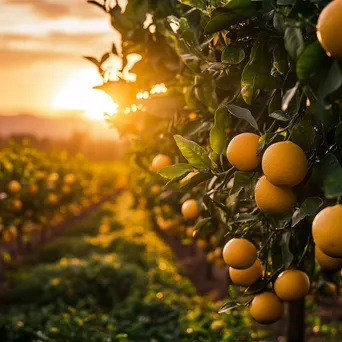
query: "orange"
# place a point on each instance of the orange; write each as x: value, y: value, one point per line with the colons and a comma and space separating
x: 202, y: 244
x: 248, y: 276
x: 52, y: 198
x: 16, y: 205
x: 242, y: 151
x: 274, y: 200
x: 66, y: 189
x: 189, y: 232
x: 292, y: 285
x: 284, y: 164
x: 160, y: 161
x: 266, y: 308
x: 69, y: 179
x: 329, y: 31
x: 32, y: 189
x: 155, y: 189
x: 239, y: 253
x: 190, y: 209
x: 326, y: 262
x: 14, y: 186
x: 327, y: 232
x: 53, y: 177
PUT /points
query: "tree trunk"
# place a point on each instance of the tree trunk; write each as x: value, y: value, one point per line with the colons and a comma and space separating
x: 295, y: 330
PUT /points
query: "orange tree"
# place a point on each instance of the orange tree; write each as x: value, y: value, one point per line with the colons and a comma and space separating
x: 252, y: 109
x: 39, y: 191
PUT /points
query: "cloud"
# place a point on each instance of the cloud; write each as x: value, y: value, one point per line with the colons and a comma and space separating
x: 53, y: 9
x: 76, y: 44
x: 26, y: 58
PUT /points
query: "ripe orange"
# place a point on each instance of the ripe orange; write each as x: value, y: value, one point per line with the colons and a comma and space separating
x: 210, y: 257
x: 14, y: 186
x: 155, y: 189
x: 248, y: 276
x: 218, y: 252
x: 266, y: 308
x: 242, y: 151
x: 52, y: 198
x: 292, y: 285
x: 272, y: 199
x: 327, y: 232
x: 326, y: 262
x: 160, y: 161
x: 190, y: 209
x: 329, y: 31
x: 32, y: 189
x: 284, y: 164
x: 53, y: 177
x: 66, y: 189
x: 239, y: 253
x: 69, y: 179
x: 202, y: 244
x: 189, y: 232
x: 16, y: 205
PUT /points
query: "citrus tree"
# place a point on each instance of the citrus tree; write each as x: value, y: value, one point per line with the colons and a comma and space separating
x: 246, y: 133
x: 39, y: 191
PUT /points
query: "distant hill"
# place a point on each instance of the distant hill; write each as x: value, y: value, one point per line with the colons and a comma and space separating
x: 54, y: 128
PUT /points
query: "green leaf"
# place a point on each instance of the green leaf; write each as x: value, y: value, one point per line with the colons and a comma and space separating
x: 195, y: 180
x: 279, y: 115
x: 275, y: 102
x: 220, y: 20
x: 289, y: 95
x: 92, y: 60
x: 204, y: 90
x: 248, y: 83
x: 280, y: 61
x: 310, y: 60
x: 228, y: 306
x: 221, y: 206
x: 304, y: 135
x: 240, y: 113
x: 203, y: 223
x: 331, y: 84
x: 176, y: 170
x: 328, y: 165
x: 218, y: 136
x: 193, y: 153
x: 200, y: 4
x: 308, y: 208
x: 104, y: 57
x: 232, y: 54
x: 223, y: 18
x: 241, y: 180
x: 240, y: 4
x: 93, y: 2
x: 294, y: 42
x: 333, y: 184
x: 285, y: 2
x: 232, y: 291
x: 287, y: 255
x: 256, y: 74
x: 242, y: 217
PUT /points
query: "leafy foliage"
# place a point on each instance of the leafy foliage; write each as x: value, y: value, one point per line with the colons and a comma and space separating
x: 243, y: 66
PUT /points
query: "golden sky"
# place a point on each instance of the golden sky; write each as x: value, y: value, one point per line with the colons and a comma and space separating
x: 42, y: 43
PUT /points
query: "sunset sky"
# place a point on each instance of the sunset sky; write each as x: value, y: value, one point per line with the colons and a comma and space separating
x: 42, y: 43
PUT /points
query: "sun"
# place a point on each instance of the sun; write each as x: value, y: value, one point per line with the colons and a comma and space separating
x: 78, y: 94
